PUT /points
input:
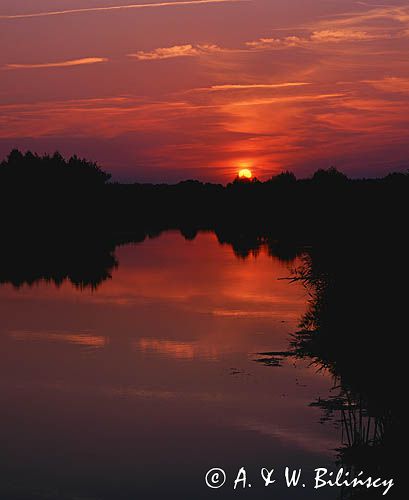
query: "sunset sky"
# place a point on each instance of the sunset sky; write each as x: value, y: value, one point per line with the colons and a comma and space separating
x: 168, y: 90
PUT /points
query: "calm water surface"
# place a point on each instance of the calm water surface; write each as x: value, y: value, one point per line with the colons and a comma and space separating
x: 136, y: 389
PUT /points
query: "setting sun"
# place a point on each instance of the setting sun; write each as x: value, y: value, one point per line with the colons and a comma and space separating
x: 245, y: 173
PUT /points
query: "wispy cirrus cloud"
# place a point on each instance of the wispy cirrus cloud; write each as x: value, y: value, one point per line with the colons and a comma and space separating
x: 58, y: 64
x: 252, y: 86
x: 92, y: 117
x: 390, y: 84
x: 345, y: 35
x: 381, y: 23
x: 391, y: 13
x: 237, y: 87
x: 187, y: 50
x: 275, y: 43
x: 85, y: 10
x: 284, y: 99
x: 327, y: 36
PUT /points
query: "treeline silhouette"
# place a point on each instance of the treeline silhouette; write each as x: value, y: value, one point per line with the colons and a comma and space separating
x: 71, y: 207
x: 49, y: 192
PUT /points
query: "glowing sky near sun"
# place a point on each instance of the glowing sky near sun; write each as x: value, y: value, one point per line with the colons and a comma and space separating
x: 163, y: 91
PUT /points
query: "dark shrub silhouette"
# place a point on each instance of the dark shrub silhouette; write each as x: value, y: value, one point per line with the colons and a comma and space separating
x: 48, y: 193
x: 39, y: 172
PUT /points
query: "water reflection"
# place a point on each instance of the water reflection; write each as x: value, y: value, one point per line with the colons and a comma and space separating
x: 134, y: 389
x: 88, y: 260
x: 83, y: 261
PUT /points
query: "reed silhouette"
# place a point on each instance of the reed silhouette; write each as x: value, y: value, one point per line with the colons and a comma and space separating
x: 355, y: 328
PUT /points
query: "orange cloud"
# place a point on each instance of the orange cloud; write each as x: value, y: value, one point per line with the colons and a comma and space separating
x: 60, y: 64
x: 187, y: 50
x: 275, y: 43
x: 252, y: 86
x: 331, y: 36
x: 284, y: 99
x: 317, y: 37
